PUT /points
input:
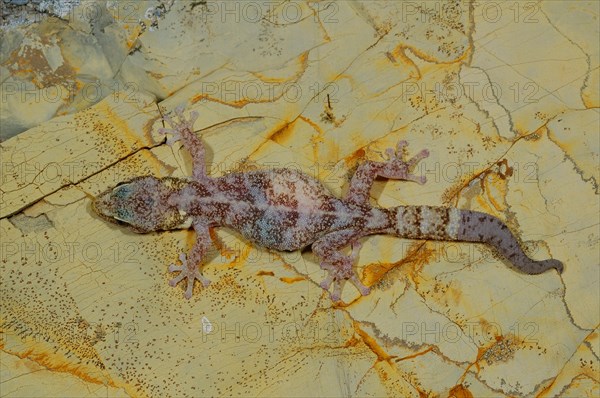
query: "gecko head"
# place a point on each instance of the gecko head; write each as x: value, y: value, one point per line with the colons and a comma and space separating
x: 141, y: 204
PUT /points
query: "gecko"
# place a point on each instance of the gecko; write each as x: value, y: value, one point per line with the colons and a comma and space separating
x: 287, y: 210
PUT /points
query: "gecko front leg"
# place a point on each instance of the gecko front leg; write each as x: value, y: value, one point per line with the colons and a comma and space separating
x: 395, y: 168
x: 338, y: 265
x: 182, y: 130
x: 190, y: 264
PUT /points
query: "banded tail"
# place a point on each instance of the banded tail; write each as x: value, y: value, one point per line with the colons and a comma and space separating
x: 451, y: 224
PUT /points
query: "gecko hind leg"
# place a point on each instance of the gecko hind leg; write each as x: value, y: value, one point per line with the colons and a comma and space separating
x: 395, y: 168
x: 338, y: 265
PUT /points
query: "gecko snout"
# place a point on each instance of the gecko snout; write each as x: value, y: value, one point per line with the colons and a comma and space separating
x: 101, y: 204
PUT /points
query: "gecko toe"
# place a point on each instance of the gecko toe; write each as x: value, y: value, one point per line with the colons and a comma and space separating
x: 364, y: 290
x: 390, y: 153
x: 205, y: 281
x: 173, y: 282
x: 179, y: 110
x: 175, y: 268
x: 336, y: 294
x: 326, y: 284
x: 190, y: 288
x: 400, y: 146
x: 193, y: 116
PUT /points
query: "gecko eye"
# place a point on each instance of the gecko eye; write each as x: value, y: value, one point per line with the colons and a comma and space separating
x: 124, y: 215
x: 121, y: 191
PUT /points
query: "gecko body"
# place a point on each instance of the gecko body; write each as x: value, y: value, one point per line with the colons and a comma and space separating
x: 287, y: 210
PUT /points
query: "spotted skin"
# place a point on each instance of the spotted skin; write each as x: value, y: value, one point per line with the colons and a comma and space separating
x: 288, y: 210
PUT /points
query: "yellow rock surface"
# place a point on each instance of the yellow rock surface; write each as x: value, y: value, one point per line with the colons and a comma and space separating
x: 512, y: 129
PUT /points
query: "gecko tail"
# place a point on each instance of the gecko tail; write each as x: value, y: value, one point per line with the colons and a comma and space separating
x: 475, y: 226
x: 451, y: 224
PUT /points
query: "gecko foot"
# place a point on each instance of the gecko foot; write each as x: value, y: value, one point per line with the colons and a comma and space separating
x: 189, y: 272
x: 398, y: 168
x: 338, y: 274
x: 178, y: 125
